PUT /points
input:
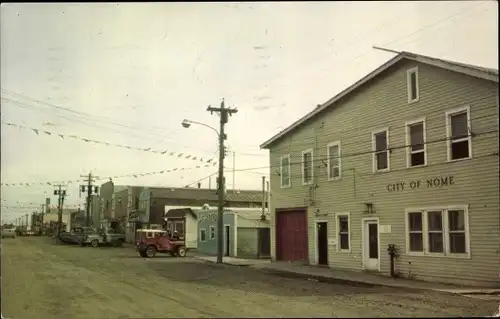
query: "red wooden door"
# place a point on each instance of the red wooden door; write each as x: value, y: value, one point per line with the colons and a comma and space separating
x: 291, y: 236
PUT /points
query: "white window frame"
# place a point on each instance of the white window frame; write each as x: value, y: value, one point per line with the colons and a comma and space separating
x: 309, y: 150
x: 408, y: 84
x: 336, y: 143
x: 446, y: 232
x: 449, y: 142
x: 203, y: 230
x: 409, y: 151
x: 374, y: 157
x: 408, y: 232
x: 289, y: 171
x: 337, y: 228
x: 211, y: 232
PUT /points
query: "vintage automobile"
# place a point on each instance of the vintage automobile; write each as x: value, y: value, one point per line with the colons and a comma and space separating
x: 152, y: 241
x: 9, y: 231
x: 81, y: 236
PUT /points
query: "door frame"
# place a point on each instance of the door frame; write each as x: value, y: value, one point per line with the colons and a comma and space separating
x: 316, y: 253
x: 364, y: 254
x: 227, y: 240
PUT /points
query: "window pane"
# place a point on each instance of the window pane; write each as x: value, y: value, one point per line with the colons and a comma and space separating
x: 436, y: 242
x: 413, y: 83
x: 415, y: 221
x: 381, y: 159
x: 344, y: 241
x: 435, y: 221
x: 459, y: 127
x: 417, y: 136
x: 334, y: 172
x: 381, y: 141
x: 456, y: 220
x: 417, y: 159
x: 343, y: 224
x: 416, y: 242
x: 457, y: 243
x: 460, y: 150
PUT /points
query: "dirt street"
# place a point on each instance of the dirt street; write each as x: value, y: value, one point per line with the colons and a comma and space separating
x: 46, y: 280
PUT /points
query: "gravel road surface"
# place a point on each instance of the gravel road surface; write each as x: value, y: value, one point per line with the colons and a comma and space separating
x: 41, y: 279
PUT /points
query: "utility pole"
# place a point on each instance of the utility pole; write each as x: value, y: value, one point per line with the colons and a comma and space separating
x: 234, y: 172
x: 89, y: 188
x: 224, y: 117
x: 61, y: 193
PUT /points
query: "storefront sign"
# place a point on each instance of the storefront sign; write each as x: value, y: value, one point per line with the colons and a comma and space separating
x: 435, y: 182
x: 212, y: 217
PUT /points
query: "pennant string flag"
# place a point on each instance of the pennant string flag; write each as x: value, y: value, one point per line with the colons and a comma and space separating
x: 135, y: 175
x: 87, y: 140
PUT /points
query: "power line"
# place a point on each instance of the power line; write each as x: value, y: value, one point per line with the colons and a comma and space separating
x: 435, y: 23
x: 364, y: 54
x: 344, y: 155
x: 351, y: 128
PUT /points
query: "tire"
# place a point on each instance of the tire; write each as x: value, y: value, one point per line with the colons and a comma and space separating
x: 181, y: 251
x: 94, y: 243
x: 142, y: 254
x: 150, y: 251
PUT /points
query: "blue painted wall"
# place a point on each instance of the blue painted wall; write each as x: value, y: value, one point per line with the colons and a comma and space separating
x: 209, y: 218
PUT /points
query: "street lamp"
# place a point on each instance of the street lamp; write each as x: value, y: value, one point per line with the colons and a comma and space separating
x: 220, y: 214
x: 187, y: 123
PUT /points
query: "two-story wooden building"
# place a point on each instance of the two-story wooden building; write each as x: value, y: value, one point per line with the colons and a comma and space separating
x: 407, y: 156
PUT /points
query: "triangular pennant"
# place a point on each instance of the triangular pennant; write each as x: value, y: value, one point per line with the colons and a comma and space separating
x: 135, y: 176
x: 85, y: 140
x: 147, y: 149
x: 164, y: 152
x: 180, y: 154
x: 36, y: 131
x: 161, y: 172
x: 47, y: 132
x: 195, y: 158
x: 62, y: 136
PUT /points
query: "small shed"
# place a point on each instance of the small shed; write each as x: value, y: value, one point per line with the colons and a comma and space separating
x: 183, y: 220
x: 245, y: 233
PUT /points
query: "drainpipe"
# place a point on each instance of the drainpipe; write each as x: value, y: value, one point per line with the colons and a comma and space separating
x: 268, y: 196
x: 263, y: 216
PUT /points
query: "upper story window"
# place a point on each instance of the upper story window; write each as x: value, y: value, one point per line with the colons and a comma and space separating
x: 412, y: 84
x: 307, y: 167
x: 334, y: 158
x: 416, y: 151
x: 285, y: 171
x: 380, y: 150
x: 459, y: 142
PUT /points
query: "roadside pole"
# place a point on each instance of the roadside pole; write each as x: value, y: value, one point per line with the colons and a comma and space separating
x: 61, y: 193
x: 224, y: 116
x: 89, y: 189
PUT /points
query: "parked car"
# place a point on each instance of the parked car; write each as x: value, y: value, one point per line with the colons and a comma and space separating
x: 152, y: 241
x: 111, y: 237
x: 8, y: 232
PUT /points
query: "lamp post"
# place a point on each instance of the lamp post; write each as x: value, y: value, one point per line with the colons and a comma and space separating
x: 220, y: 215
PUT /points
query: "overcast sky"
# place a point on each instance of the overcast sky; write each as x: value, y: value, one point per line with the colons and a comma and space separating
x: 130, y: 73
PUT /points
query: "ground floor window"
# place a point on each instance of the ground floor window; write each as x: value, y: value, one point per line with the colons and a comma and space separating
x: 212, y: 232
x: 437, y: 231
x: 343, y: 230
x: 203, y: 234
